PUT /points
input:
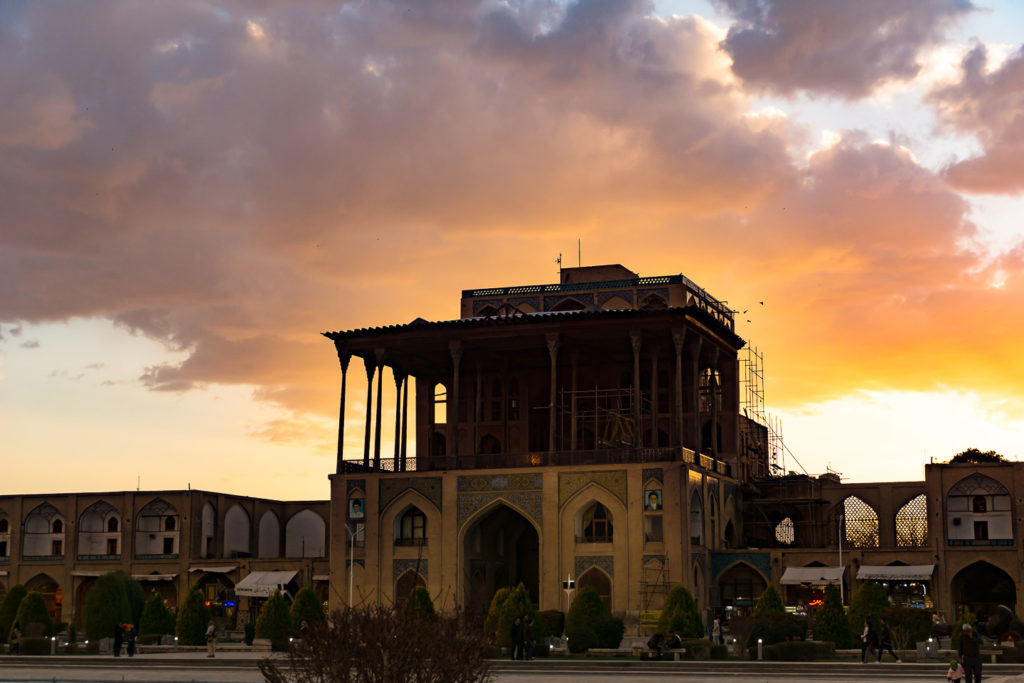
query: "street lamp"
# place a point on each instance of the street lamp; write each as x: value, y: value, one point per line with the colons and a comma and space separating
x: 351, y: 558
x: 842, y: 597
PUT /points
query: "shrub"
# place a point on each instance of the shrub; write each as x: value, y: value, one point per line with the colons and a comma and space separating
x: 517, y: 604
x: 799, y: 651
x: 106, y: 606
x: 778, y: 628
x: 769, y: 603
x: 419, y: 604
x: 192, y: 619
x: 275, y: 623
x: 587, y: 606
x: 552, y: 622
x: 608, y: 630
x: 966, y: 617
x: 581, y: 638
x: 385, y: 644
x: 830, y: 622
x: 493, y: 621
x: 32, y: 610
x: 72, y: 634
x: 156, y: 619
x: 916, y: 622
x: 149, y: 639
x: 307, y: 607
x: 680, y: 615
x: 35, y: 646
x: 867, y: 602
x: 136, y: 598
x: 9, y: 609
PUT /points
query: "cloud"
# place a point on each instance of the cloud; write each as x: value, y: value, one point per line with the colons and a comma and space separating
x: 987, y: 102
x: 834, y: 47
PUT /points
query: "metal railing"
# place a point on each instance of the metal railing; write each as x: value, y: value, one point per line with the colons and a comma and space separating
x: 99, y: 557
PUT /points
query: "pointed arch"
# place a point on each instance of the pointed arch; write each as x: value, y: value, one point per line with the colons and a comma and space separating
x: 410, y: 526
x: 912, y: 523
x: 653, y: 302
x: 599, y: 580
x: 44, y: 532
x: 405, y: 584
x: 859, y: 523
x: 209, y: 530
x: 617, y: 303
x: 305, y: 535
x: 99, y: 534
x: 157, y: 530
x: 237, y: 532
x: 568, y: 304
x: 980, y: 512
x: 270, y: 535
x: 52, y: 592
x: 741, y: 584
x: 696, y: 518
x: 594, y: 524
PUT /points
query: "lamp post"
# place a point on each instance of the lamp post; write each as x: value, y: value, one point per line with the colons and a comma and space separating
x: 351, y: 558
x: 842, y: 596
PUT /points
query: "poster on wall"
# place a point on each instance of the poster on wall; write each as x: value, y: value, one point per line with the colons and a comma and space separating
x: 652, y: 499
x: 355, y: 508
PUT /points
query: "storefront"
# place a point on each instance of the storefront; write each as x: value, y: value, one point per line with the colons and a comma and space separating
x: 906, y: 585
x: 805, y: 586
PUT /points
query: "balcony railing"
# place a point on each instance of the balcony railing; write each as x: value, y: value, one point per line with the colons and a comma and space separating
x: 484, y: 461
x: 42, y: 558
x: 99, y: 557
x: 410, y: 541
x: 980, y: 541
x: 156, y: 556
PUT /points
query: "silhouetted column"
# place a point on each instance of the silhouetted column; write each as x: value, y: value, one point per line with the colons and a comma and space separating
x: 477, y: 404
x: 694, y: 394
x: 399, y: 380
x: 371, y: 368
x: 552, y: 341
x: 343, y: 358
x: 636, y: 340
x: 574, y: 359
x: 678, y: 339
x: 455, y: 347
x: 654, y: 396
x: 405, y: 419
x: 715, y: 379
x: 379, y: 354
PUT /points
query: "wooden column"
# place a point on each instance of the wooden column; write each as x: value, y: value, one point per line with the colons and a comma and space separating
x: 715, y: 383
x: 476, y: 409
x: 379, y: 354
x: 455, y: 347
x: 405, y: 419
x: 399, y: 381
x: 343, y: 358
x: 371, y: 368
x: 574, y: 359
x: 552, y: 341
x: 654, y: 396
x: 678, y: 339
x: 695, y: 394
x: 638, y: 439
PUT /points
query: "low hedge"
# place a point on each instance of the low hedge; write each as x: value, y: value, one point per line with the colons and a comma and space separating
x: 581, y: 639
x: 609, y: 631
x: 778, y: 628
x: 796, y: 651
x: 149, y: 639
x: 35, y: 646
x: 552, y: 622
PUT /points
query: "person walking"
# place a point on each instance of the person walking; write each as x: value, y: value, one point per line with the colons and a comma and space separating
x: 16, y: 638
x: 969, y: 654
x: 868, y: 639
x: 211, y: 639
x: 885, y: 641
x: 716, y: 632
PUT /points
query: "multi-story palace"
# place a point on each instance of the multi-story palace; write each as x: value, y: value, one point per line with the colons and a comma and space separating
x: 589, y: 431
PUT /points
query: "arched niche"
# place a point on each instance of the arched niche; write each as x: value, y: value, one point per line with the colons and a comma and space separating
x: 236, y: 532
x: 305, y: 535
x: 270, y: 535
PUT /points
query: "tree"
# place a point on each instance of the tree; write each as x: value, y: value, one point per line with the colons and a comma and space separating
x: 275, y: 623
x: 586, y: 608
x: 517, y: 604
x: 136, y: 598
x: 9, y: 609
x: 770, y: 602
x: 680, y: 615
x: 192, y: 619
x: 156, y: 619
x: 867, y: 603
x: 973, y: 455
x: 32, y: 610
x: 493, y: 620
x: 106, y: 606
x: 419, y: 604
x: 307, y: 607
x: 830, y: 622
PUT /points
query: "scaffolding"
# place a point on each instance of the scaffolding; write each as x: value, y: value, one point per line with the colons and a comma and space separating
x: 752, y: 407
x: 604, y: 418
x: 654, y: 585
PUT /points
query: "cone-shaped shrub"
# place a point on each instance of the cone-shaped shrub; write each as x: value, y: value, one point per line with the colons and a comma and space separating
x: 517, y: 604
x: 106, y: 606
x: 586, y: 608
x: 136, y: 598
x: 419, y: 604
x: 193, y: 616
x: 770, y: 602
x: 830, y: 622
x: 493, y: 620
x: 156, y: 619
x: 32, y: 610
x: 307, y: 607
x: 275, y: 623
x: 680, y: 615
x: 867, y: 602
x: 9, y: 609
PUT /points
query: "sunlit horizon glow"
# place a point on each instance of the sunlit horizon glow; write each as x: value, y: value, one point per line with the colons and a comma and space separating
x: 185, y: 206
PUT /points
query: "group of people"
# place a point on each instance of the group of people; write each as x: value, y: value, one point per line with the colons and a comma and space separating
x: 521, y: 635
x: 125, y: 634
x: 967, y: 665
x: 876, y: 643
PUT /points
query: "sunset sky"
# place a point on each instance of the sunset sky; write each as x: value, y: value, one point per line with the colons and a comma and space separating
x: 190, y: 192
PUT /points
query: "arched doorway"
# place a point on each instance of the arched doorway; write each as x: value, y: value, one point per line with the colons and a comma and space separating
x: 52, y: 593
x: 739, y: 587
x: 981, y: 587
x: 599, y: 581
x: 499, y: 549
x: 405, y: 585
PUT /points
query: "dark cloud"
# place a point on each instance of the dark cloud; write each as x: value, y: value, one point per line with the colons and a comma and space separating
x: 836, y: 47
x: 989, y: 104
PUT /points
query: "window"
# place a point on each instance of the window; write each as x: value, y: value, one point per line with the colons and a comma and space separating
x: 785, y: 531
x: 597, y: 525
x: 58, y: 528
x: 652, y: 529
x: 860, y: 524
x: 57, y: 547
x: 168, y: 546
x: 111, y: 546
x: 3, y: 526
x: 169, y: 524
x: 412, y: 528
x: 513, y: 399
x: 980, y: 531
x: 912, y: 523
x: 3, y: 548
x: 112, y: 524
x: 979, y: 504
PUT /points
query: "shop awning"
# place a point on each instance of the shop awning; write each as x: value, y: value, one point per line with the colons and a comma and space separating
x: 811, y: 576
x: 213, y: 570
x: 321, y: 577
x: 3, y: 572
x: 263, y: 584
x: 91, y: 573
x: 154, y: 577
x: 913, y: 572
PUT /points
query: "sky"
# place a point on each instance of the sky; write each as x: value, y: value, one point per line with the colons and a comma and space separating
x: 191, y: 192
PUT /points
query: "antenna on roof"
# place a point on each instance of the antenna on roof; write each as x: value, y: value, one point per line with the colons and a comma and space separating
x: 559, y: 262
x: 579, y: 253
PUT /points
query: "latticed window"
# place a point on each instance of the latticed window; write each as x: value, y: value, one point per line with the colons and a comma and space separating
x: 912, y: 523
x: 710, y: 388
x: 860, y: 524
x: 785, y: 532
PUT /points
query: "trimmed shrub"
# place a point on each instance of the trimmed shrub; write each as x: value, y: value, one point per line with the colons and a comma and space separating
x: 587, y: 606
x: 149, y: 639
x: 9, y: 609
x: 966, y: 617
x: 106, y: 606
x: 492, y: 622
x: 770, y: 602
x: 517, y: 604
x: 867, y: 602
x: 778, y: 628
x: 35, y: 646
x: 32, y: 610
x: 192, y: 619
x: 608, y: 630
x: 307, y: 607
x: 581, y: 639
x: 680, y: 615
x: 798, y: 651
x: 419, y: 604
x: 156, y: 619
x: 275, y: 623
x: 917, y: 622
x: 830, y: 622
x: 136, y: 598
x: 552, y: 622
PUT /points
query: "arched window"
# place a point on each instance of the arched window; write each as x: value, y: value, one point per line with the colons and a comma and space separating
x: 412, y: 527
x: 710, y: 388
x: 270, y: 535
x: 58, y: 526
x: 112, y: 524
x: 785, y: 531
x: 696, y: 519
x: 979, y: 504
x: 4, y: 526
x: 236, y: 532
x: 568, y: 304
x: 170, y: 523
x: 912, y: 523
x: 860, y: 524
x: 596, y: 524
x: 599, y: 581
x: 440, y: 404
x: 653, y: 302
x: 305, y: 535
